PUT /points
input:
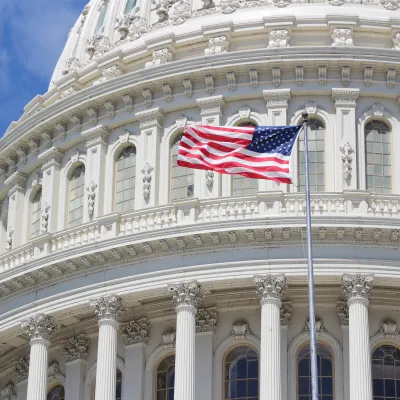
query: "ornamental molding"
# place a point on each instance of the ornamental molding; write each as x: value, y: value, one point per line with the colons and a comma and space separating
x: 108, y: 307
x: 40, y: 326
x: 147, y: 171
x: 168, y: 338
x: 345, y: 97
x: 319, y: 326
x: 150, y: 118
x: 390, y: 4
x: 270, y: 287
x: 347, y: 159
x: 130, y: 27
x: 91, y: 196
x: 357, y: 286
x: 44, y: 217
x: 206, y: 320
x: 389, y: 328
x: 8, y: 392
x: 76, y: 348
x: 211, y: 105
x: 22, y: 369
x: 136, y: 331
x: 186, y: 294
x: 342, y: 310
x: 97, y: 46
x: 278, y: 38
x: 286, y: 313
x: 217, y: 45
x: 396, y: 41
x: 240, y: 329
x: 277, y: 97
x: 342, y: 37
x: 160, y: 57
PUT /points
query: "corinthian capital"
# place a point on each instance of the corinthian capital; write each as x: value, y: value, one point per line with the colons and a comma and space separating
x: 136, y: 331
x: 357, y: 286
x: 108, y: 307
x: 271, y: 286
x: 40, y: 326
x: 186, y: 294
x: 76, y: 348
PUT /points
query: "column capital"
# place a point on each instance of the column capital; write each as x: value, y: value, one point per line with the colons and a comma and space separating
x: 270, y: 287
x: 277, y: 97
x: 357, y: 286
x: 211, y: 105
x: 76, y: 348
x: 342, y: 310
x: 136, y: 332
x: 345, y: 97
x: 186, y: 294
x: 40, y: 327
x: 109, y: 307
x: 150, y: 118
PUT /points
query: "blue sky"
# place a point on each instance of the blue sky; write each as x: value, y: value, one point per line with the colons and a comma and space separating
x: 32, y: 36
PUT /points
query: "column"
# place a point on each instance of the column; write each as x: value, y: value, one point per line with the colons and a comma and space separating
x: 277, y: 103
x: 357, y: 289
x: 343, y: 317
x: 40, y: 329
x: 96, y: 146
x: 16, y: 231
x: 186, y: 297
x: 286, y: 319
x: 270, y: 289
x: 209, y: 183
x: 137, y: 337
x: 343, y: 142
x: 109, y: 310
x: 76, y: 351
x: 206, y: 325
x: 148, y: 159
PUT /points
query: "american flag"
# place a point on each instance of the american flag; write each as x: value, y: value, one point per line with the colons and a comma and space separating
x: 261, y: 152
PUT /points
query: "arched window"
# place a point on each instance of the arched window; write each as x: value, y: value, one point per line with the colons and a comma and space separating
x: 125, y: 180
x: 166, y: 378
x: 118, y: 391
x: 325, y: 372
x: 130, y: 5
x: 182, y: 179
x: 76, y: 196
x: 56, y: 393
x: 386, y: 372
x: 102, y: 16
x: 316, y: 156
x: 241, y: 185
x: 241, y: 374
x: 378, y: 157
x: 36, y: 212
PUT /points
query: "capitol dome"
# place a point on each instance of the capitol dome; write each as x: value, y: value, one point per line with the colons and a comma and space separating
x: 124, y: 276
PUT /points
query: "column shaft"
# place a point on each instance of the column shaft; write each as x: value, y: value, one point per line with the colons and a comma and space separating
x: 185, y: 352
x: 270, y: 360
x: 37, y: 380
x: 106, y: 360
x: 359, y: 351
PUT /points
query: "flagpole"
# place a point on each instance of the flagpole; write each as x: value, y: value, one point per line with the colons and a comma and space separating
x: 311, y: 300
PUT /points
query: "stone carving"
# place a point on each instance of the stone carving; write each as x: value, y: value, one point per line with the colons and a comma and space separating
x: 347, y: 159
x: 391, y: 78
x: 210, y: 179
x: 22, y: 152
x: 395, y: 235
x: 61, y: 129
x: 146, y: 178
x: 109, y: 73
x: 8, y: 392
x: 22, y: 369
x: 209, y: 80
x: 187, y: 294
x: 163, y: 7
x: 40, y: 326
x: 108, y: 307
x: 217, y: 45
x: 322, y: 74
x: 286, y: 313
x: 72, y: 65
x: 44, y: 217
x: 299, y: 71
x: 276, y: 76
x: 270, y: 287
x: 396, y: 41
x: 53, y: 369
x: 390, y: 4
x: 9, y: 239
x: 91, y: 193
x: 92, y: 113
x: 76, y: 348
x: 253, y: 74
x: 148, y: 96
x: 109, y: 105
x: 229, y: 6
x: 342, y: 310
x: 319, y: 326
x: 357, y: 286
x: 98, y: 45
x: 368, y: 72
x: 136, y: 331
x: 231, y: 78
x: 188, y: 87
x: 68, y: 92
x: 160, y: 57
x: 358, y: 233
x: 389, y: 328
x: 346, y: 75
x: 342, y: 37
x: 181, y: 11
x: 34, y: 144
x: 168, y: 338
x: 167, y: 90
x: 128, y: 101
x: 278, y: 38
x: 130, y: 27
x: 206, y: 320
x: 240, y: 329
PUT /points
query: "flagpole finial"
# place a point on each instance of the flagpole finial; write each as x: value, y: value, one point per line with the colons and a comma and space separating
x: 305, y: 117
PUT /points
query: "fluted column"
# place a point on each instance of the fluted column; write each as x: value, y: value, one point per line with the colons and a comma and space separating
x: 186, y: 298
x: 40, y: 329
x: 358, y: 288
x: 270, y: 289
x: 109, y: 309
